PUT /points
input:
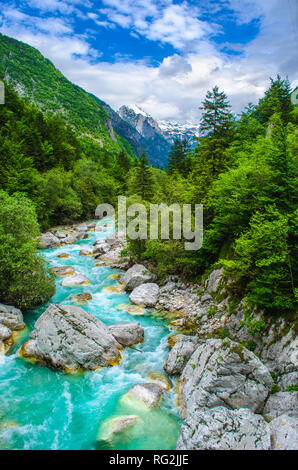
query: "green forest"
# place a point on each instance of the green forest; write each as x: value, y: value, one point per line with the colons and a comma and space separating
x: 243, y: 170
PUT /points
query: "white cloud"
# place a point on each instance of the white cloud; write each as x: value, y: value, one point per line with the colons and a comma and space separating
x: 158, y: 20
x: 175, y: 88
x: 175, y: 65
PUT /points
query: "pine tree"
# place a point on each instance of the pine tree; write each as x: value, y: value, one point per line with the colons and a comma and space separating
x: 178, y: 157
x: 217, y: 123
x: 277, y: 99
x: 217, y: 119
x: 144, y: 178
x: 123, y: 161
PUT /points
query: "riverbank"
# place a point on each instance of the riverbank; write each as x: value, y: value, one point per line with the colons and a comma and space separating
x: 236, y: 368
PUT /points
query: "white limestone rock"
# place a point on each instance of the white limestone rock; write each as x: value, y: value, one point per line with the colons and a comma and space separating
x: 284, y: 433
x: 135, y: 276
x: 281, y: 403
x: 145, y: 295
x: 224, y: 373
x: 224, y: 429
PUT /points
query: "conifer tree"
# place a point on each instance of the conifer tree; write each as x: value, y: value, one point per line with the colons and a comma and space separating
x: 178, y: 157
x: 277, y: 99
x: 144, y: 178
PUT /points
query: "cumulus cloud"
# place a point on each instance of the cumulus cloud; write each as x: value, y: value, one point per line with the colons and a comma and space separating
x: 173, y: 66
x: 158, y: 20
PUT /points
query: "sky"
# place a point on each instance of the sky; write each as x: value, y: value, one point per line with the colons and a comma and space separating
x: 163, y: 55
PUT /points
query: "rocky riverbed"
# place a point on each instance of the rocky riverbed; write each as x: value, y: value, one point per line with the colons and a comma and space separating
x: 236, y: 368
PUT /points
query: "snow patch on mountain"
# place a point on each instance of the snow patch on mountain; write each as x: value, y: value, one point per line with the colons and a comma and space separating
x: 178, y: 131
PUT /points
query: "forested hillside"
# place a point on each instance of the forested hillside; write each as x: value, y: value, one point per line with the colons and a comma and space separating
x: 35, y: 77
x: 244, y: 172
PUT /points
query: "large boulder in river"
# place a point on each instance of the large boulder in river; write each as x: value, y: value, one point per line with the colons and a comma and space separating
x: 114, y: 428
x: 60, y: 271
x: 284, y: 433
x: 75, y: 280
x: 69, y: 240
x: 48, y: 240
x: 81, y: 235
x: 82, y: 227
x: 135, y: 276
x: 145, y: 295
x: 224, y: 429
x: 281, y: 403
x: 11, y: 317
x: 180, y: 354
x: 100, y: 248
x: 69, y: 338
x: 224, y: 373
x: 127, y: 334
x: 116, y: 239
x: 148, y: 394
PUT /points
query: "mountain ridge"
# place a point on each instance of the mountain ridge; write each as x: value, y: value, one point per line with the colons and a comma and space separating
x: 35, y: 77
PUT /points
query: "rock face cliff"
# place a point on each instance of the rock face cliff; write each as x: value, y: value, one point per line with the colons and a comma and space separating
x: 153, y: 142
x: 238, y: 369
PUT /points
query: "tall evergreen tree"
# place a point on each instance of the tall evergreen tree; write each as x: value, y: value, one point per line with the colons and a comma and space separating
x: 178, y: 157
x: 217, y: 123
x: 217, y: 118
x: 144, y: 178
x: 277, y: 99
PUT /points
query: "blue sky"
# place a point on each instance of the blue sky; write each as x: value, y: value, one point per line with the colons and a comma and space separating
x: 162, y: 54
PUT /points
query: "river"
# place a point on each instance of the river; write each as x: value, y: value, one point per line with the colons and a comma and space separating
x: 45, y: 409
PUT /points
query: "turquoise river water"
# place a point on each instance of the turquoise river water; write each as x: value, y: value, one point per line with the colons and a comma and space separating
x: 45, y: 409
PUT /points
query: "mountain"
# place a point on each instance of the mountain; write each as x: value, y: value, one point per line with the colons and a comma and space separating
x: 176, y: 131
x: 126, y: 130
x: 35, y: 77
x: 154, y: 143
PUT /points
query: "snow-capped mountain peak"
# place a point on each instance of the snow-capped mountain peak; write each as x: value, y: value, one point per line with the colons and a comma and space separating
x: 175, y: 130
x: 137, y: 110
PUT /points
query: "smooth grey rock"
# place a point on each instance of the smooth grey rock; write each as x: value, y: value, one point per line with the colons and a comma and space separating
x: 82, y: 227
x: 281, y: 403
x: 69, y: 240
x: 116, y: 239
x: 224, y: 429
x: 5, y: 332
x: 114, y: 259
x: 180, y: 354
x: 127, y: 334
x: 101, y: 249
x: 224, y: 373
x: 214, y: 280
x: 74, y: 280
x: 49, y: 240
x: 284, y: 433
x: 148, y: 394
x: 113, y: 427
x: 60, y: 271
x: 91, y: 225
x: 81, y: 235
x: 86, y: 252
x: 287, y: 380
x: 67, y: 337
x: 60, y: 234
x: 145, y: 295
x: 135, y: 276
x: 11, y: 317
